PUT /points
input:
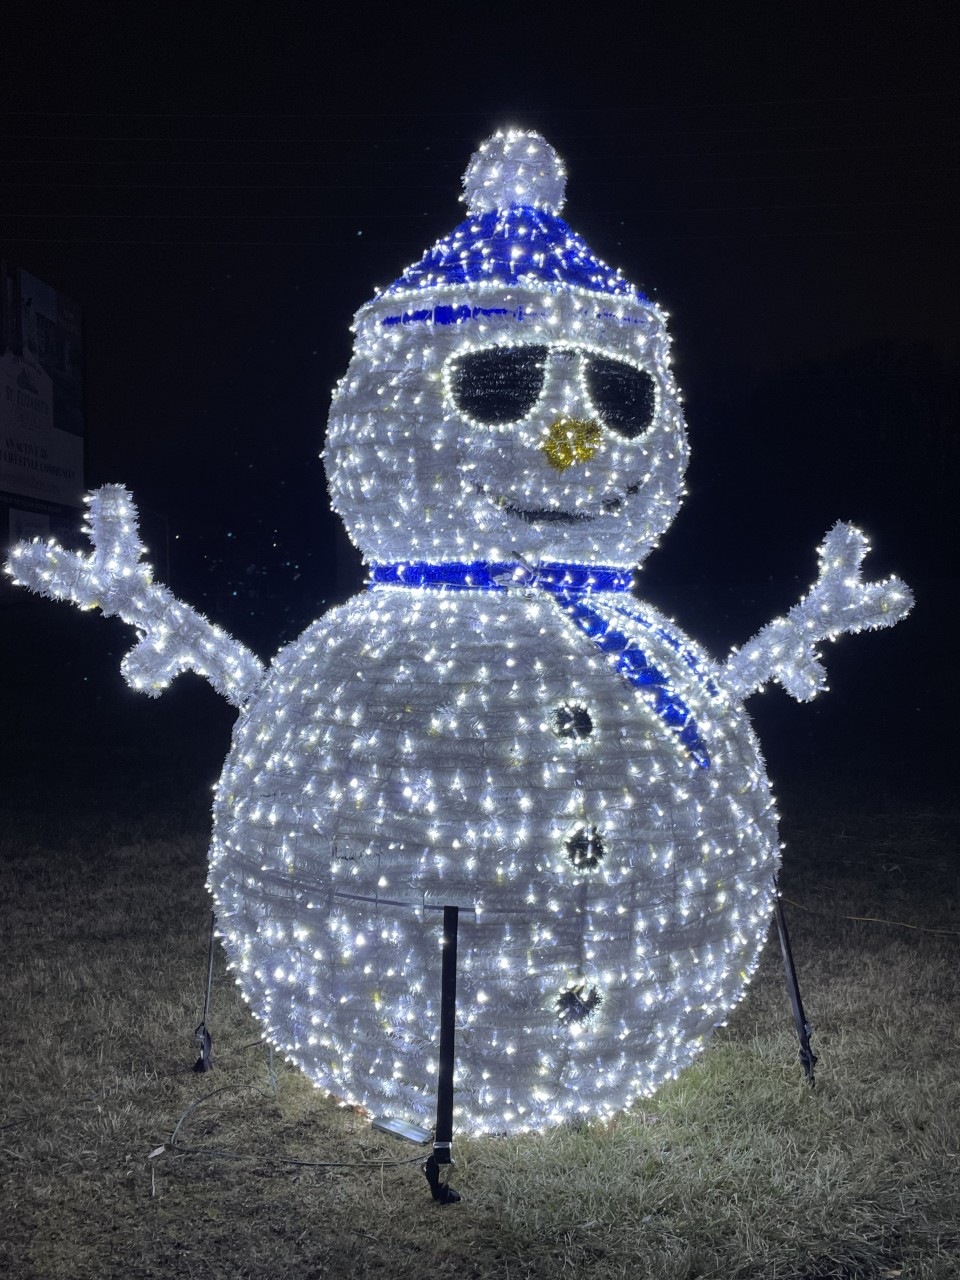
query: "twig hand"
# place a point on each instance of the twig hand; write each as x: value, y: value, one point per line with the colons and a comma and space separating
x: 115, y: 578
x: 839, y: 601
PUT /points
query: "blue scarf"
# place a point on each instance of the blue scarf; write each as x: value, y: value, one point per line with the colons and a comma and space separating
x: 570, y: 586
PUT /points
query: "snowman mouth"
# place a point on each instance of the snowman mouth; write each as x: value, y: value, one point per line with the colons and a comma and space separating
x: 551, y: 515
x: 546, y: 515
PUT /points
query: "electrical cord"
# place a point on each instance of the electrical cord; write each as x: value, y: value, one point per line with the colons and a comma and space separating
x: 899, y: 924
x: 173, y: 1145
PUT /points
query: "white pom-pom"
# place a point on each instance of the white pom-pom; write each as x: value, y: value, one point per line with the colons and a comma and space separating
x: 515, y: 167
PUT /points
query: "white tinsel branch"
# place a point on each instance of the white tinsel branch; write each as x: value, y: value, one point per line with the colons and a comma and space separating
x: 115, y: 578
x: 839, y: 601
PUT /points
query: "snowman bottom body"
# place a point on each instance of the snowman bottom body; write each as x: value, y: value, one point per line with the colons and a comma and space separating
x: 422, y: 748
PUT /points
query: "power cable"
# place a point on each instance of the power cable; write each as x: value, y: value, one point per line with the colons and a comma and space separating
x: 881, y: 173
x: 578, y: 110
x: 711, y: 130
x: 639, y: 211
x: 172, y: 1145
x: 724, y: 234
x: 899, y: 924
x: 912, y: 144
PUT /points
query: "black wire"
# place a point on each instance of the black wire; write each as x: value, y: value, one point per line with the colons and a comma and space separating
x: 883, y: 173
x: 724, y: 234
x: 712, y: 130
x: 578, y: 110
x: 639, y: 211
x: 302, y: 1164
x: 172, y: 1144
x: 625, y: 158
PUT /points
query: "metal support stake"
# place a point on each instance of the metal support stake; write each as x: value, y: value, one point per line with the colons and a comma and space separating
x: 807, y: 1057
x: 443, y: 1136
x: 202, y: 1033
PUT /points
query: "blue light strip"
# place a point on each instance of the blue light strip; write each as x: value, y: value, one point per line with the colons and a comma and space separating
x: 518, y: 245
x: 497, y: 575
x: 571, y: 585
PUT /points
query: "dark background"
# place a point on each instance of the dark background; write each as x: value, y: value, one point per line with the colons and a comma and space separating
x: 220, y: 188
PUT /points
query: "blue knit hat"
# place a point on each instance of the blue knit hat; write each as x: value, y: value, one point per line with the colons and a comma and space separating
x: 514, y: 235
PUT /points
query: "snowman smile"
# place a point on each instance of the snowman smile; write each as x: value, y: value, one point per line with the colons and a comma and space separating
x: 552, y: 515
x: 536, y: 515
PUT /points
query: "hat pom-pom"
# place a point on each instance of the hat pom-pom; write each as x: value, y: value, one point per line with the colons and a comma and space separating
x: 514, y: 167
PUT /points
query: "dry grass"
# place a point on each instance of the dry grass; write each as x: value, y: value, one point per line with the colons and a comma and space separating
x: 736, y: 1170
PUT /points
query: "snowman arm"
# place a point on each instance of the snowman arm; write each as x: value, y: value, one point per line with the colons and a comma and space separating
x: 114, y: 578
x: 839, y: 601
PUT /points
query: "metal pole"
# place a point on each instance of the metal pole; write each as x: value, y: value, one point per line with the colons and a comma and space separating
x: 807, y: 1057
x: 202, y: 1033
x: 443, y: 1137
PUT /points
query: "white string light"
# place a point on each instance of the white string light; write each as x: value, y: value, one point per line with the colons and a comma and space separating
x: 497, y: 723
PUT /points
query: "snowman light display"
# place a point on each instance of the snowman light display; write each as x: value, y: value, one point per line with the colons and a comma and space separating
x: 496, y: 723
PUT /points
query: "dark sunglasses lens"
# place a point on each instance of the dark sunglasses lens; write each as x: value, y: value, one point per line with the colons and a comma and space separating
x: 500, y: 384
x: 625, y: 396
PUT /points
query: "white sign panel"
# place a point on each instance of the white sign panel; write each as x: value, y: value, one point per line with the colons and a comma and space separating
x: 41, y: 408
x: 36, y: 459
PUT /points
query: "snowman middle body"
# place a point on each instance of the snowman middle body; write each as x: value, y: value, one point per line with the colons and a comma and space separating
x: 422, y: 747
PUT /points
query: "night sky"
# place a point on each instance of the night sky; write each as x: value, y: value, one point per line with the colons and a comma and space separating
x: 221, y: 188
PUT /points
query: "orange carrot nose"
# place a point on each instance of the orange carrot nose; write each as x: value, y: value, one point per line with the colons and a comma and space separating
x: 570, y: 440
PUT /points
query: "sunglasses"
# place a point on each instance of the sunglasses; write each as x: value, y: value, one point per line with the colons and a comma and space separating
x: 499, y: 385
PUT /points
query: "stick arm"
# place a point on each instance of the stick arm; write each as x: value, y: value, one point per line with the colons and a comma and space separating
x: 115, y: 578
x: 839, y: 601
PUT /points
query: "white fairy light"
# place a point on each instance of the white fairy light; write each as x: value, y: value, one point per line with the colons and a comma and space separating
x: 497, y: 723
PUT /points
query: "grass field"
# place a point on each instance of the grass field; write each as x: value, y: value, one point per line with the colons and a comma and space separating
x: 738, y: 1169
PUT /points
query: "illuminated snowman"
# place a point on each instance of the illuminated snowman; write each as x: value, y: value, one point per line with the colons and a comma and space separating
x: 496, y: 723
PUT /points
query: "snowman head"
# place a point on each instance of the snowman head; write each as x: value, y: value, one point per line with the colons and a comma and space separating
x: 510, y: 395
